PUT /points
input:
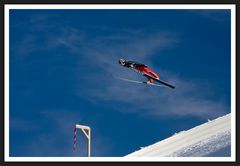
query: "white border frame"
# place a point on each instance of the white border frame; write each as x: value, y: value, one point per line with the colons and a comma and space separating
x: 127, y: 6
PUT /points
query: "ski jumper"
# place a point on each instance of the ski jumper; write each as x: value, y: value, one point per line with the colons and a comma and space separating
x: 142, y: 68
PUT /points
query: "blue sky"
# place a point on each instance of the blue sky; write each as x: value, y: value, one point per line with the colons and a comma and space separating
x: 61, y: 67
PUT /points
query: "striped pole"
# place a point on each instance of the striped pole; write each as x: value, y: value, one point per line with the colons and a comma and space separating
x: 75, y: 138
x: 86, y: 131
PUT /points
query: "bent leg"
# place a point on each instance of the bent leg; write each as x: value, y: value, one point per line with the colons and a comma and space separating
x: 150, y: 72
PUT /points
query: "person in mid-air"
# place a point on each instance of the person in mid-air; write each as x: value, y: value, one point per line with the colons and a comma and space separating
x: 139, y: 67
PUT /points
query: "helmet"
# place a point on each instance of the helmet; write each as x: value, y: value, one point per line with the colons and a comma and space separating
x: 121, y: 61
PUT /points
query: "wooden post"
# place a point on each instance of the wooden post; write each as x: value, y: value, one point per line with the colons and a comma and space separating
x: 87, y: 134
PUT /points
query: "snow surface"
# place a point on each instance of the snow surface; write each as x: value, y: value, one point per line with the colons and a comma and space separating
x: 211, y: 139
x: 205, y: 147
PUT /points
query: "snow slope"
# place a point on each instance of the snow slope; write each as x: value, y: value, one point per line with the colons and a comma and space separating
x: 209, y: 139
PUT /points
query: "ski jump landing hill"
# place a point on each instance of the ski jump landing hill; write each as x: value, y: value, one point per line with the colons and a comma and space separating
x: 208, y: 139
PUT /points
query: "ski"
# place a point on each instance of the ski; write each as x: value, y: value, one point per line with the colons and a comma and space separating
x: 160, y: 81
x: 139, y: 82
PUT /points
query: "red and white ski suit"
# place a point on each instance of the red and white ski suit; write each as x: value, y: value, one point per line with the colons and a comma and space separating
x: 146, y: 70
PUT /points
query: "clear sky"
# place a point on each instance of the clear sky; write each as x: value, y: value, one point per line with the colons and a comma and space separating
x: 61, y: 67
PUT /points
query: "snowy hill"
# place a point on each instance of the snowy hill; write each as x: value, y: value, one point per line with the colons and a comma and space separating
x: 211, y: 139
